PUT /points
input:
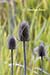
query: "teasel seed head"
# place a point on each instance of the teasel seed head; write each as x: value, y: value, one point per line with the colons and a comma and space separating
x: 11, y: 42
x: 24, y: 31
x: 41, y: 50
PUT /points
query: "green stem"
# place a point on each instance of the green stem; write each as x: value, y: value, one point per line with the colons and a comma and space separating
x: 11, y: 62
x: 41, y: 65
x: 24, y: 58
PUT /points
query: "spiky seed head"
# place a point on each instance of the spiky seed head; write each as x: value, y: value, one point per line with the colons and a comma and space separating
x: 41, y: 50
x: 24, y: 31
x: 11, y: 42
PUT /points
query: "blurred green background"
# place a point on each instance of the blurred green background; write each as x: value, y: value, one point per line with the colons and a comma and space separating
x: 12, y: 13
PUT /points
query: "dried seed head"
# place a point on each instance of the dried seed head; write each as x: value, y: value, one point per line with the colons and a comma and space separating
x: 11, y: 43
x: 41, y: 50
x: 24, y: 31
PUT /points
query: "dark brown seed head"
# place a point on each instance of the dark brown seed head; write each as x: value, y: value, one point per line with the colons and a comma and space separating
x: 24, y: 31
x: 12, y: 43
x: 41, y: 50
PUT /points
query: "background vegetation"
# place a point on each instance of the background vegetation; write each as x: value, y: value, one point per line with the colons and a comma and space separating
x: 37, y: 13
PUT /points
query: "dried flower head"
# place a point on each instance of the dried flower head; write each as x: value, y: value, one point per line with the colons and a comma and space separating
x: 24, y: 31
x: 11, y: 42
x: 41, y: 50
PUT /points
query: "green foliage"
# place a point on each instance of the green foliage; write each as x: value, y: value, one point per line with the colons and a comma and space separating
x: 37, y: 13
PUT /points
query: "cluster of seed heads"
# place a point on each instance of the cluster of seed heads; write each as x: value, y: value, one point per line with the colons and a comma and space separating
x: 24, y: 36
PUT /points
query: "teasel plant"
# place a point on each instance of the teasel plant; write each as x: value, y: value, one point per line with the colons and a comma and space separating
x: 11, y: 38
x: 41, y: 54
x: 24, y: 37
x: 11, y: 46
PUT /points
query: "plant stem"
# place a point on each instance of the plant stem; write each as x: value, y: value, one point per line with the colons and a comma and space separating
x: 11, y: 62
x: 42, y: 65
x: 24, y: 58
